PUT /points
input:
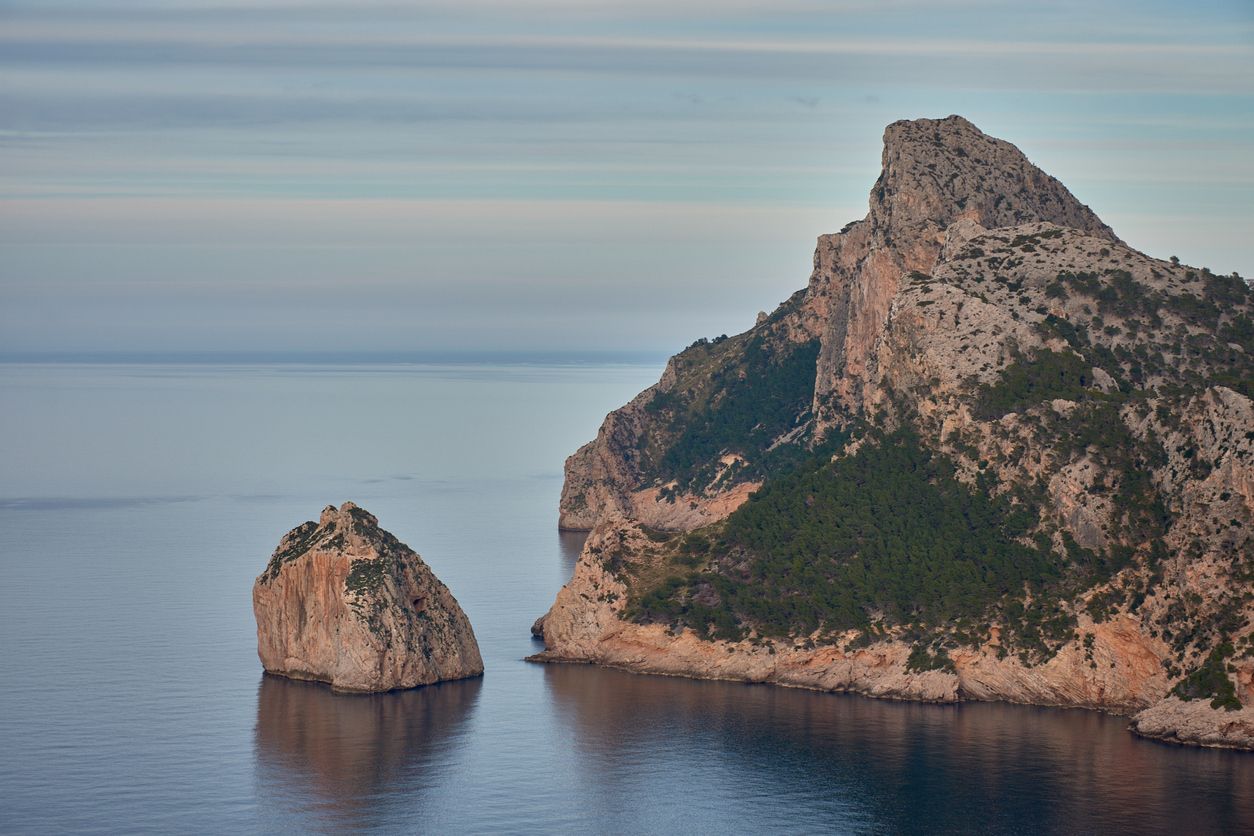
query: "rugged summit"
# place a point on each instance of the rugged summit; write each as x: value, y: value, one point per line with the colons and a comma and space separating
x: 344, y: 602
x: 937, y: 174
x: 989, y: 452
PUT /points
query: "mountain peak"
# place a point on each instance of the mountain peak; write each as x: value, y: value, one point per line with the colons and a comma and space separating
x: 937, y: 171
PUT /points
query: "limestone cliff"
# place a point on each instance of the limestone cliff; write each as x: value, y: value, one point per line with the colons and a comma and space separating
x: 344, y: 602
x: 990, y: 452
x: 935, y: 173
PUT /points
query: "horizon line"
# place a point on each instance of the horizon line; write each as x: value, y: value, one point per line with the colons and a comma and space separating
x: 570, y: 357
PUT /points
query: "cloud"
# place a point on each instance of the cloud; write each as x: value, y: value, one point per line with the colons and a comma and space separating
x: 237, y: 38
x: 214, y: 172
x: 922, y: 62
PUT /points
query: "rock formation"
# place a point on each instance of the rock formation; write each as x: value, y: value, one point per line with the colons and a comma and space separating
x: 344, y: 602
x: 1195, y: 722
x: 1091, y: 404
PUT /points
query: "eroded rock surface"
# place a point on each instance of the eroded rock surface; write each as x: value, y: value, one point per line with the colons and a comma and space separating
x: 986, y: 313
x: 1195, y: 722
x: 344, y: 602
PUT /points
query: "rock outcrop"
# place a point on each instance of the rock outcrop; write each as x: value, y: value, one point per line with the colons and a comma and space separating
x: 982, y: 314
x: 344, y: 602
x: 1195, y: 722
x: 936, y: 173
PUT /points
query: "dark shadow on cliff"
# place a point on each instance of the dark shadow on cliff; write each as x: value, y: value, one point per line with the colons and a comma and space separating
x: 336, y: 757
x: 896, y: 766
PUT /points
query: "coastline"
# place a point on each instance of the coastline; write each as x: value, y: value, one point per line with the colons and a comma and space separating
x: 1208, y: 738
x: 1119, y: 671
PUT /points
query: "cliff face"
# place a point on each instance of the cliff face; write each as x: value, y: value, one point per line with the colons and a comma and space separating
x: 983, y: 331
x: 344, y: 602
x: 935, y: 173
x: 660, y: 458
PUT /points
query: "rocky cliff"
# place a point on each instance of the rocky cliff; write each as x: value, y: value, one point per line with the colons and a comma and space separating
x: 344, y: 602
x: 990, y: 452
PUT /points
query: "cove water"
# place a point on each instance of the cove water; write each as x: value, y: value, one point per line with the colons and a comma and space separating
x: 138, y: 503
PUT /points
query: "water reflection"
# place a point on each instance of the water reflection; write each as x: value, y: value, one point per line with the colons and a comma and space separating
x: 571, y: 544
x: 840, y: 762
x: 336, y: 758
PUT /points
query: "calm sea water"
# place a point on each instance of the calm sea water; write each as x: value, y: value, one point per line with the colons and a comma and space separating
x: 137, y: 504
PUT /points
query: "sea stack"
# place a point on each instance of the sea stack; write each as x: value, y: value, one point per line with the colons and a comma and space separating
x: 344, y: 602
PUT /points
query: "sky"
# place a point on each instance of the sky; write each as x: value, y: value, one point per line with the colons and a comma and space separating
x: 552, y: 175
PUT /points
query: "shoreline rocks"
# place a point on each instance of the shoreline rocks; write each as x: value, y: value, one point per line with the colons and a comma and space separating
x: 1196, y: 723
x: 585, y: 626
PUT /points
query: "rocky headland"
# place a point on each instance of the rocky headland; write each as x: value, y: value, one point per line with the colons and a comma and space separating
x: 989, y: 452
x: 344, y: 602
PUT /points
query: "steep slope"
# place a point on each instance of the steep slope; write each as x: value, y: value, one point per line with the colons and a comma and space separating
x: 935, y: 173
x: 691, y: 448
x: 344, y: 602
x: 989, y: 452
x: 659, y: 458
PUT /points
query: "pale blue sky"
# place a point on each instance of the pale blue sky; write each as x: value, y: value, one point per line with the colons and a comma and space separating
x: 377, y: 176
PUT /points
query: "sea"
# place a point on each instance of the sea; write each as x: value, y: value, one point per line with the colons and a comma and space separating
x: 139, y: 500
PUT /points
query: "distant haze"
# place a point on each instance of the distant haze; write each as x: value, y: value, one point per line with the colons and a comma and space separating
x: 556, y: 175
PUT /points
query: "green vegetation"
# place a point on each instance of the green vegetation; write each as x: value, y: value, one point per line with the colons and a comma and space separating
x: 1029, y: 241
x: 366, y: 576
x: 1123, y: 296
x: 1211, y: 341
x: 887, y: 532
x: 1043, y: 376
x: 889, y: 542
x: 1211, y: 680
x: 1221, y: 295
x: 365, y: 581
x: 362, y: 518
x: 1239, y: 331
x: 301, y: 538
x: 922, y: 659
x: 753, y: 402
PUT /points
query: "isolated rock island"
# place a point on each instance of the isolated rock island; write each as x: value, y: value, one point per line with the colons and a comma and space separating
x: 991, y: 452
x: 344, y: 602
